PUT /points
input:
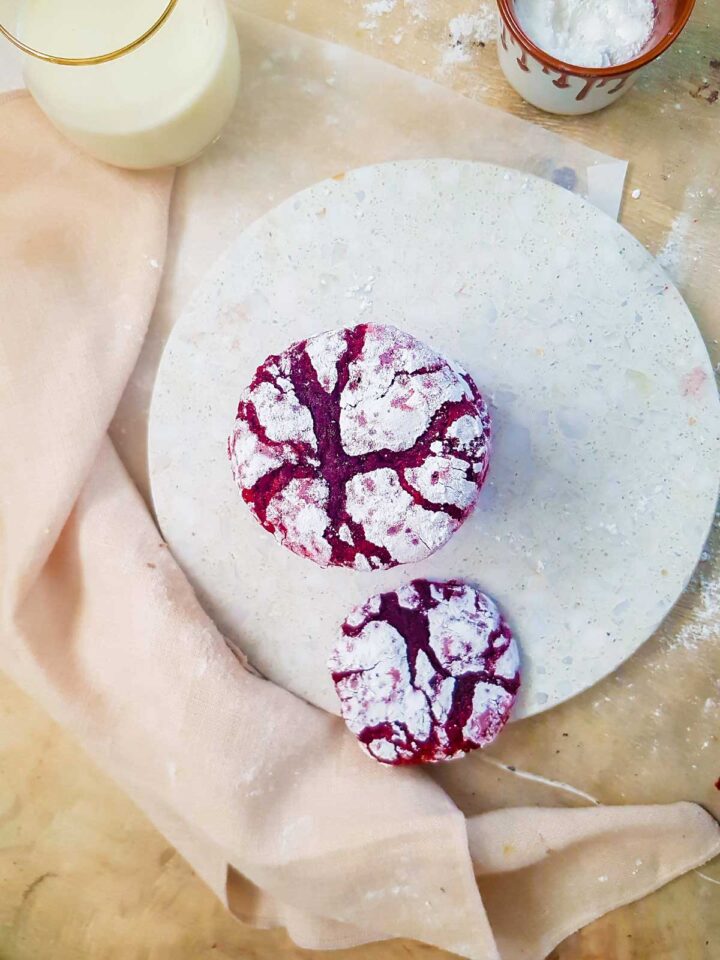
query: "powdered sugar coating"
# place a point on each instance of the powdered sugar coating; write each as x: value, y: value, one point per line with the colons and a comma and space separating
x: 426, y: 673
x: 360, y: 447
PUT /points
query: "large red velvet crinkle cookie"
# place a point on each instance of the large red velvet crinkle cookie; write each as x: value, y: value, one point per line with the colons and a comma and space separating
x: 426, y: 673
x: 360, y: 447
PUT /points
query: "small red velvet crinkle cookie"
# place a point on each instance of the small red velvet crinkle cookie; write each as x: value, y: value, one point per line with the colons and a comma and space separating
x: 360, y: 447
x: 426, y: 673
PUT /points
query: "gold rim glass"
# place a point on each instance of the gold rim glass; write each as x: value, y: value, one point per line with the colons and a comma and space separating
x: 97, y: 58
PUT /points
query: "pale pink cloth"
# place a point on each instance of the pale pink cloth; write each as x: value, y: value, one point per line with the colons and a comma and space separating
x: 268, y: 798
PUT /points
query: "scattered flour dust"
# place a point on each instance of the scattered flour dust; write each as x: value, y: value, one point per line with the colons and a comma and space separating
x: 588, y: 33
x: 418, y: 9
x: 469, y: 30
x: 672, y: 254
x: 703, y: 626
x: 373, y: 10
x: 678, y: 253
x: 377, y: 8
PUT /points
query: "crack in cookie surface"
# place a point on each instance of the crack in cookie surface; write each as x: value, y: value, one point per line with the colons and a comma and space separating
x: 360, y: 447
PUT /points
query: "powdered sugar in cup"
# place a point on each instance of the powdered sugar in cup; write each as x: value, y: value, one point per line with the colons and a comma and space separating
x: 574, y: 58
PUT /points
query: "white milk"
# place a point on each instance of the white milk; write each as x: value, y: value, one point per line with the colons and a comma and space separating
x: 162, y: 103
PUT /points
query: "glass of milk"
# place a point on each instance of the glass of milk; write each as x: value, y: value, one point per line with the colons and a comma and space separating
x: 136, y: 83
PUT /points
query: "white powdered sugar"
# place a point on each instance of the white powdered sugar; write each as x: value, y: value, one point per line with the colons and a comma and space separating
x: 454, y: 629
x: 280, y: 413
x: 443, y: 480
x: 373, y: 9
x: 299, y: 512
x: 588, y: 33
x: 345, y: 533
x: 284, y: 421
x: 508, y: 663
x: 376, y: 8
x: 394, y: 388
x: 407, y: 596
x: 383, y: 689
x: 466, y: 430
x: 388, y: 515
x: 467, y: 31
x: 701, y: 627
x: 424, y: 686
x: 360, y: 447
x: 376, y: 416
x: 489, y: 705
x: 250, y: 459
x: 476, y: 28
x: 324, y: 353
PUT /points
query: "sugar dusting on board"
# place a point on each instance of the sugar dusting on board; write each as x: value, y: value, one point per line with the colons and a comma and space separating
x: 588, y: 33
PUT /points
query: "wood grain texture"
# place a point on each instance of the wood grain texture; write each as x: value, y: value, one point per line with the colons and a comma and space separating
x: 82, y: 872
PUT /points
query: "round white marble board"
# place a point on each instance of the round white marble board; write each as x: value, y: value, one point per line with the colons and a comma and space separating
x: 604, y: 475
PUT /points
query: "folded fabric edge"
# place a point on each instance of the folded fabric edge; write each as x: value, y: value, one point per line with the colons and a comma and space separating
x: 253, y: 906
x: 306, y: 930
x: 477, y: 941
x: 705, y: 822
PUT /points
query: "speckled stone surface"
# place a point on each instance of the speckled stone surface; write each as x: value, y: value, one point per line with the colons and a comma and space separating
x: 603, y: 480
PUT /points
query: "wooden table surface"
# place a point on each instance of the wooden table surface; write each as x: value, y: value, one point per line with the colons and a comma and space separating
x: 82, y: 872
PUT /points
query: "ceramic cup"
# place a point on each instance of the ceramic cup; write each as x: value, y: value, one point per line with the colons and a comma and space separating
x: 559, y: 87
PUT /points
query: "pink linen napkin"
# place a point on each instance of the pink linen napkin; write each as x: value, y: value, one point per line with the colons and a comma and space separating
x: 268, y: 798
